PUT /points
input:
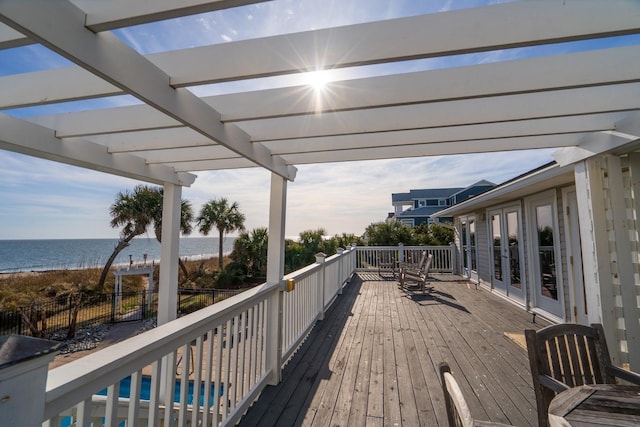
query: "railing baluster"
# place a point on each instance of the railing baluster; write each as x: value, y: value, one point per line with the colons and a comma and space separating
x: 134, y: 398
x: 197, y: 378
x: 206, y: 408
x: 154, y: 395
x: 111, y: 412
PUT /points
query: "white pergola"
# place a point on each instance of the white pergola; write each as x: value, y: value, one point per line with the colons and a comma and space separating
x: 582, y: 103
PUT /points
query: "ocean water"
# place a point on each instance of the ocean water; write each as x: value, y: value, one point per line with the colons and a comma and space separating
x: 54, y: 254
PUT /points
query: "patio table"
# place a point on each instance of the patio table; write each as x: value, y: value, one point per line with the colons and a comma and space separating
x: 596, y: 405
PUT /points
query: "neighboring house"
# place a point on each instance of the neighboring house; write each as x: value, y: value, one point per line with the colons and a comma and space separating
x: 423, y: 204
x: 561, y: 241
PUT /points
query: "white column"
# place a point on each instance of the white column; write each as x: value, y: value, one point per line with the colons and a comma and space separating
x: 168, y: 282
x: 322, y: 284
x: 595, y: 248
x: 275, y: 273
x: 169, y: 251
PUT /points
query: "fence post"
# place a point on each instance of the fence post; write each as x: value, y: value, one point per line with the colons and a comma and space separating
x: 453, y: 258
x: 341, y: 269
x: 113, y: 307
x: 23, y: 379
x: 320, y: 259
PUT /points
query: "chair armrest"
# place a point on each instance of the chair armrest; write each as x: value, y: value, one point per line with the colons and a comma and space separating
x: 623, y: 374
x: 552, y: 383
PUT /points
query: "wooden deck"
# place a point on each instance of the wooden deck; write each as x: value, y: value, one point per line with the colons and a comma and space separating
x: 374, y: 360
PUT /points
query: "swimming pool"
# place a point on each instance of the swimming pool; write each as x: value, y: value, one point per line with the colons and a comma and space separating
x: 145, y: 390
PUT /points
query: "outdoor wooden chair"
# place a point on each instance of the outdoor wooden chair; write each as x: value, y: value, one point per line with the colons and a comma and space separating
x: 569, y: 355
x: 458, y: 412
x: 387, y: 262
x: 418, y: 266
x: 411, y: 277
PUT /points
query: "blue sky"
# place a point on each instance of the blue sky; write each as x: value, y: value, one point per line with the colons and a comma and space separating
x: 43, y: 199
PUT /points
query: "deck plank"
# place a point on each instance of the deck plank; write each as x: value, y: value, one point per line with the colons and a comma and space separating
x: 373, y: 360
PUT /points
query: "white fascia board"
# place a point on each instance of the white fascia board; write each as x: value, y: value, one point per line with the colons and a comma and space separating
x: 107, y: 15
x: 105, y: 55
x: 399, y: 150
x: 521, y: 128
x: 569, y: 102
x: 27, y: 138
x: 470, y: 30
x: 528, y: 184
x: 602, y: 67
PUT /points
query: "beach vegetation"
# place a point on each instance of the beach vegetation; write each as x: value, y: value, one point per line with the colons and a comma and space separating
x: 136, y: 212
x: 224, y: 217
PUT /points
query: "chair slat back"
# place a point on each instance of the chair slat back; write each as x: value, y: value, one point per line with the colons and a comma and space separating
x: 427, y: 266
x: 571, y: 354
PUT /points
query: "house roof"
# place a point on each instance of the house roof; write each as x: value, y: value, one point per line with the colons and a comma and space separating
x: 536, y: 180
x: 581, y: 103
x: 419, y: 212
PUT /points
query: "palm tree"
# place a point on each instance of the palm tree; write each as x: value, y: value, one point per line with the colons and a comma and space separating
x: 136, y: 211
x: 250, y: 249
x: 225, y: 218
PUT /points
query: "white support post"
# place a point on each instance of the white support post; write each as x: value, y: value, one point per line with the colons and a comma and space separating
x: 400, y: 252
x: 320, y: 259
x: 168, y: 282
x: 275, y: 274
x: 595, y: 249
x: 169, y: 252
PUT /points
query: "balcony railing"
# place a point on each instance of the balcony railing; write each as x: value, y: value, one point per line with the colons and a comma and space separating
x: 206, y: 367
x: 443, y: 256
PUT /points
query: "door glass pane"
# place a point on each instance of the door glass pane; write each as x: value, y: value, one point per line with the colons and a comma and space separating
x: 546, y: 251
x: 472, y: 244
x: 465, y: 247
x: 497, y: 246
x: 514, y: 249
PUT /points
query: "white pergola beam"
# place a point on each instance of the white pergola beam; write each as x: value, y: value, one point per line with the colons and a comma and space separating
x: 147, y: 140
x: 579, y: 70
x: 33, y: 140
x: 108, y: 57
x: 107, y: 15
x: 522, y: 128
x: 432, y: 149
x: 570, y: 102
x: 501, y: 26
x: 599, y: 67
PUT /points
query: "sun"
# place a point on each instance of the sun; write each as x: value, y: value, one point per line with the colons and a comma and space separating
x: 317, y: 79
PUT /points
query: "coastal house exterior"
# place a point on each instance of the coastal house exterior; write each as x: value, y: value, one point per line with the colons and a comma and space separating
x: 522, y: 240
x: 561, y: 241
x: 424, y: 203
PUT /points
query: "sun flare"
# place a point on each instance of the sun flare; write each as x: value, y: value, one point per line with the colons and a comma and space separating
x: 318, y: 79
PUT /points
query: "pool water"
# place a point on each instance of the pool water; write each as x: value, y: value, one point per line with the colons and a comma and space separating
x: 145, y: 390
x: 145, y: 393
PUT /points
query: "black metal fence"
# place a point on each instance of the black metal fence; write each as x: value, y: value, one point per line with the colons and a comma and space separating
x: 79, y: 310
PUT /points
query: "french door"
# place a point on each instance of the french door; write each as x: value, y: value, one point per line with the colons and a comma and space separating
x: 506, y: 252
x: 545, y: 253
x: 468, y: 242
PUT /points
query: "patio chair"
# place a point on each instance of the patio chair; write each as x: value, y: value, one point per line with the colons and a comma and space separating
x: 458, y: 412
x: 569, y: 355
x: 386, y: 261
x: 410, y: 277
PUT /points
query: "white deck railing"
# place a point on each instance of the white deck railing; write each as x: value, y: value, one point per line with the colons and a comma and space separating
x: 230, y: 351
x: 368, y: 257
